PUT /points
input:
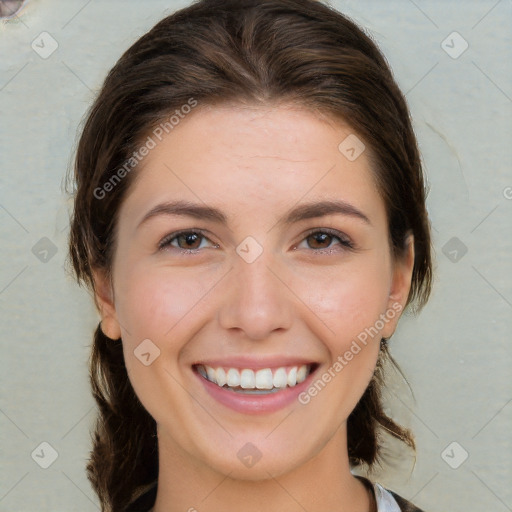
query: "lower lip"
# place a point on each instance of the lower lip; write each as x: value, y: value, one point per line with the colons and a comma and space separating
x: 255, y: 404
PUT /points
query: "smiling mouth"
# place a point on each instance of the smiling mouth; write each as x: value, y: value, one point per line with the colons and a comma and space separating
x: 256, y: 382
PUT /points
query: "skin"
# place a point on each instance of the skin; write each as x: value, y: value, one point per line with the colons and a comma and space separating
x: 302, y: 296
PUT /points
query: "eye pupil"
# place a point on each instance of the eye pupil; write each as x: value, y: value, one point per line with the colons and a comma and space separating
x: 320, y: 238
x: 189, y: 238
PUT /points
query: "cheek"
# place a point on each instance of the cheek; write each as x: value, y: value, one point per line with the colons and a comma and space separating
x: 154, y: 301
x: 153, y: 304
x: 347, y: 306
x: 349, y: 299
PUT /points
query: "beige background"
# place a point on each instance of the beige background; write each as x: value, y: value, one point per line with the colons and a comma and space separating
x: 457, y: 353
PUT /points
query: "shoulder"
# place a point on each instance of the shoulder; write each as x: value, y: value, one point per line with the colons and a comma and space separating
x: 405, y: 506
x: 389, y: 501
x: 386, y: 500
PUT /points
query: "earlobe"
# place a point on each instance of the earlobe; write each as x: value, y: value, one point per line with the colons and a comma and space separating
x: 104, y: 298
x: 400, y: 286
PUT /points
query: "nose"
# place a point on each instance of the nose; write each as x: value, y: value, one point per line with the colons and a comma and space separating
x: 257, y: 300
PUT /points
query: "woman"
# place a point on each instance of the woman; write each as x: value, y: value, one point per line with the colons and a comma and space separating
x: 250, y: 215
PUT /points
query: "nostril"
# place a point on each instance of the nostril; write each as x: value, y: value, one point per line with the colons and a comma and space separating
x: 10, y: 8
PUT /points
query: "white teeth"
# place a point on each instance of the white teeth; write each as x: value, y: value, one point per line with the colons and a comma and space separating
x: 302, y: 374
x: 233, y: 378
x: 292, y: 377
x: 220, y: 377
x: 211, y: 373
x: 247, y: 379
x: 264, y: 379
x: 280, y: 378
x: 250, y: 380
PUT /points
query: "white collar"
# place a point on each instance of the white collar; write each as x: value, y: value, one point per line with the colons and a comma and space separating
x: 385, y: 500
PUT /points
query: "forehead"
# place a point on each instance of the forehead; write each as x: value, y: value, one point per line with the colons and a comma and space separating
x: 256, y: 159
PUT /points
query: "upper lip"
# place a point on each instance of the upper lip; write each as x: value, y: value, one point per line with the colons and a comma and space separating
x: 255, y: 363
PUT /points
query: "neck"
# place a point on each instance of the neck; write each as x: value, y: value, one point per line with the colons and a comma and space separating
x: 322, y: 483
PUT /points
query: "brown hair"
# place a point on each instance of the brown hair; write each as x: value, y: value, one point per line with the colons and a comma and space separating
x: 255, y: 52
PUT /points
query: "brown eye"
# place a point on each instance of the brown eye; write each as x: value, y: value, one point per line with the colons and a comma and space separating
x: 189, y: 241
x: 185, y: 241
x: 319, y: 240
x: 326, y: 240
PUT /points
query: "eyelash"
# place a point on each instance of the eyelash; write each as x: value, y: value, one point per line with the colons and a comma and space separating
x: 345, y: 242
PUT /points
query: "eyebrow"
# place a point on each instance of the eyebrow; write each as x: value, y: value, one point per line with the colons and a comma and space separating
x: 302, y: 212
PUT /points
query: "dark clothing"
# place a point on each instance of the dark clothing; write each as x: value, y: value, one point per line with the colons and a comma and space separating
x: 405, y: 506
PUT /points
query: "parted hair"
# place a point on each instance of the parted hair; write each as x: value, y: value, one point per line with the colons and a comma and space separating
x: 252, y: 52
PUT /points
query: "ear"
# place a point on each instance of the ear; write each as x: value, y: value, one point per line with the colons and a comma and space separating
x: 104, y: 297
x: 400, y: 286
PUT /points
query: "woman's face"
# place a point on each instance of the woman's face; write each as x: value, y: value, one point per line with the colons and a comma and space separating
x: 286, y: 275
